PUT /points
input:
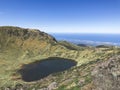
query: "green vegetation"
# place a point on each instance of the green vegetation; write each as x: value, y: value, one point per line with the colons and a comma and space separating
x: 19, y: 46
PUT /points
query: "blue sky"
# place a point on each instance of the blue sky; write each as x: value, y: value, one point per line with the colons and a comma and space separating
x: 62, y: 16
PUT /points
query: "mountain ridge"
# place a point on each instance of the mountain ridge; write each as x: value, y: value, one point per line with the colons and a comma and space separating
x: 21, y: 46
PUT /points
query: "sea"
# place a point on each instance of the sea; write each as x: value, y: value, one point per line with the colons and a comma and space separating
x: 89, y: 39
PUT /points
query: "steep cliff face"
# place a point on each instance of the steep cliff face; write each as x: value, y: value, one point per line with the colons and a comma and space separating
x: 18, y: 46
x: 24, y: 38
x: 24, y: 41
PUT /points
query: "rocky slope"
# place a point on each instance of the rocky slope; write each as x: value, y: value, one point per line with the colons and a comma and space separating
x: 20, y: 46
x: 106, y: 76
x: 28, y: 40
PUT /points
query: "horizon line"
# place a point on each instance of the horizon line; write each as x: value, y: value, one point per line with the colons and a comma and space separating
x: 81, y: 32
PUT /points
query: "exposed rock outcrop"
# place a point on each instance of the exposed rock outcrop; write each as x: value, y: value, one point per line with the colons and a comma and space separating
x: 20, y: 46
x: 106, y: 76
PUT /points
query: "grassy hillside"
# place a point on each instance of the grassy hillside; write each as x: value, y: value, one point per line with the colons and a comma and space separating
x: 19, y: 46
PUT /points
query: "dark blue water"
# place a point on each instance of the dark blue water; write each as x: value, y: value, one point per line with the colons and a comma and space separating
x: 40, y: 69
x: 90, y: 39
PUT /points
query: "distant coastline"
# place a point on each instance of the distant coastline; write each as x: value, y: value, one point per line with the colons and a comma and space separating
x: 89, y: 39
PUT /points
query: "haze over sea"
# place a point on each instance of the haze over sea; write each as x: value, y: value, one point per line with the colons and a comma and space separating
x: 89, y: 39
